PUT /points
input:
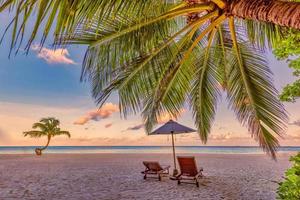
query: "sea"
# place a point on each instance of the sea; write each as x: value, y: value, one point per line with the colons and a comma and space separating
x: 143, y: 149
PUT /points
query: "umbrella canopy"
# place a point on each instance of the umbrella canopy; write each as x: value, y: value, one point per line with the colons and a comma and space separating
x: 171, y: 128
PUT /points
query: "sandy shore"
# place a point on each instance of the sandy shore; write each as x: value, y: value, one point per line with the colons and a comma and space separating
x: 117, y: 176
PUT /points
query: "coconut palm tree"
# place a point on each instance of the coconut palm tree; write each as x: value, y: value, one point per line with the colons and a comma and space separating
x: 49, y: 127
x: 160, y: 55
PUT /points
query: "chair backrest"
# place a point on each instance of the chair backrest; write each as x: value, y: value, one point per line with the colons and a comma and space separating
x: 187, y: 166
x: 153, y: 166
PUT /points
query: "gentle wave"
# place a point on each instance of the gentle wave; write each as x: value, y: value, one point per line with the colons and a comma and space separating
x: 143, y: 149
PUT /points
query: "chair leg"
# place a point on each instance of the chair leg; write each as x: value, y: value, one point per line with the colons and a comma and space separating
x: 178, y: 182
x: 145, y: 177
x: 197, y: 183
x: 159, y: 177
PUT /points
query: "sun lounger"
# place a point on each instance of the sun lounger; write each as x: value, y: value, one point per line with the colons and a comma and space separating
x: 189, y: 172
x: 154, y: 168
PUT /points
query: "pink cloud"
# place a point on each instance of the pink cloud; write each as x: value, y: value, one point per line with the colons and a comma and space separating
x: 82, y: 120
x: 108, y: 125
x: 53, y: 56
x: 228, y: 136
x: 165, y: 117
x: 104, y: 112
x: 296, y: 123
x: 135, y: 128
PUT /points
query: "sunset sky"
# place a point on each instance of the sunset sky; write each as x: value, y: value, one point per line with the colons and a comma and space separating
x: 46, y: 83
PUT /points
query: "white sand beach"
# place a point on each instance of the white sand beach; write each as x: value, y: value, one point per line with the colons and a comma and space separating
x: 118, y: 176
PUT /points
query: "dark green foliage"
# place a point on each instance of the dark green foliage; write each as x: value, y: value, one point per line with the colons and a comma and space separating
x: 288, y: 48
x: 289, y: 189
x: 291, y: 92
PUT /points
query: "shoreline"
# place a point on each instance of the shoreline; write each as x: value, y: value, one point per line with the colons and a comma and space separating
x: 154, y: 153
x: 144, y: 150
x: 229, y: 146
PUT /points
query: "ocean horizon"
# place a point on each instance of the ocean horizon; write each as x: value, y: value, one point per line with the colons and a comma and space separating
x: 143, y: 149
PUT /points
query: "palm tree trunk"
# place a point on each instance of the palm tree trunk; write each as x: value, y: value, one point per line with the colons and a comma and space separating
x: 49, y: 138
x: 38, y: 151
x: 282, y: 13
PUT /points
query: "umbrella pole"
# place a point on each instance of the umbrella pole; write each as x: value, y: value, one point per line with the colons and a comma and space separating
x: 175, y: 172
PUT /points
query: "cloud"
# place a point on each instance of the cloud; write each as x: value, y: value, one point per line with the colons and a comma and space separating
x: 165, y: 117
x: 296, y: 123
x: 57, y: 56
x: 135, y: 128
x: 82, y: 120
x: 224, y: 136
x: 227, y: 136
x: 108, y: 125
x: 104, y: 112
x: 100, y: 140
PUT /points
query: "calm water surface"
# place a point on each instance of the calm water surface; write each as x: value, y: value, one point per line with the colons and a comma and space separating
x: 141, y: 149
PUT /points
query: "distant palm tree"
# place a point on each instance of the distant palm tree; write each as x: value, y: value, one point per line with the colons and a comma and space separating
x: 48, y: 127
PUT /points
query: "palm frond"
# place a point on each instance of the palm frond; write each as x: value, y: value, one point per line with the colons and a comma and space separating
x: 220, y: 57
x: 170, y: 90
x: 51, y: 122
x: 123, y: 77
x: 252, y: 95
x: 35, y: 134
x: 67, y: 133
x: 39, y: 125
x: 205, y: 91
x: 262, y: 34
x: 63, y: 16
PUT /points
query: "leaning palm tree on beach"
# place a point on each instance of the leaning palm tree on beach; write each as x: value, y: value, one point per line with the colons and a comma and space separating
x: 48, y: 127
x: 159, y: 55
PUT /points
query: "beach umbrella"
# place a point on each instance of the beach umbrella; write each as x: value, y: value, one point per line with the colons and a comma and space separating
x: 172, y: 128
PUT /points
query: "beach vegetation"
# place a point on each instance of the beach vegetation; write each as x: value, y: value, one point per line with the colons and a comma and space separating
x: 289, y: 49
x: 289, y: 188
x: 46, y: 127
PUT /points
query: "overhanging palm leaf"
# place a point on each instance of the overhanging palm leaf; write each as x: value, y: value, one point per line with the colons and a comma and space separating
x: 67, y: 133
x: 204, y: 91
x: 262, y: 33
x: 252, y: 96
